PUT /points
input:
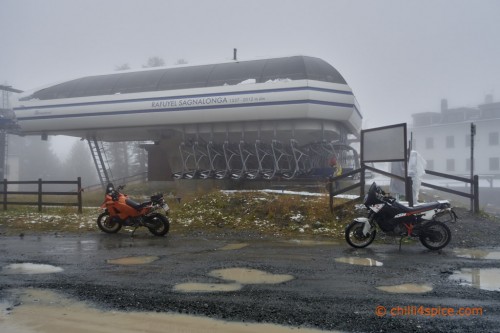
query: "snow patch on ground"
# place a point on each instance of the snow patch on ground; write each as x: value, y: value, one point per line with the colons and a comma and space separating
x: 302, y: 193
x: 29, y: 268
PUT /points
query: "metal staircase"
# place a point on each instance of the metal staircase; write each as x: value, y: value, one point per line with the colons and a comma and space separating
x: 100, y: 161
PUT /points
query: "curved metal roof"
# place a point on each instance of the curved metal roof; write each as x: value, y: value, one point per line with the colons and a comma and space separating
x: 187, y: 77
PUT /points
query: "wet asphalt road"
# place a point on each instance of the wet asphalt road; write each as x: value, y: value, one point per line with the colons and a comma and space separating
x: 324, y: 293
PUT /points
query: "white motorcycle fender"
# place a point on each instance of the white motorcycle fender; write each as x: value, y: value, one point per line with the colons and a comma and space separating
x: 366, y: 227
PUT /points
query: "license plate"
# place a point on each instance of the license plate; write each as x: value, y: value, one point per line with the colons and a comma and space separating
x: 165, y: 206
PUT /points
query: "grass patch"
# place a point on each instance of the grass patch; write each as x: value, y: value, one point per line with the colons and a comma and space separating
x: 263, y: 213
x: 29, y: 220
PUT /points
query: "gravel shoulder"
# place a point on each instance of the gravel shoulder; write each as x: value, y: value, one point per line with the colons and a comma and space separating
x: 324, y: 293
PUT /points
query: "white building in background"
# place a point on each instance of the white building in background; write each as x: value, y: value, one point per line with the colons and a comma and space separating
x: 444, y: 138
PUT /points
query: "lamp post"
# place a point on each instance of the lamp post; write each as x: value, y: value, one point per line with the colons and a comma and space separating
x: 472, y: 134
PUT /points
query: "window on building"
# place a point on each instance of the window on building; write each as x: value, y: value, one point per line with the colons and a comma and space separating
x: 493, y: 139
x: 467, y: 140
x: 450, y: 164
x: 494, y: 164
x: 450, y: 141
x: 430, y: 165
x: 429, y: 143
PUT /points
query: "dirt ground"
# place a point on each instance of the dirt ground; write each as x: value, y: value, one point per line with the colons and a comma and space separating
x: 244, y: 277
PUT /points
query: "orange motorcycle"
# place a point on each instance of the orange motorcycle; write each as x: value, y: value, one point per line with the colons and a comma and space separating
x: 121, y: 211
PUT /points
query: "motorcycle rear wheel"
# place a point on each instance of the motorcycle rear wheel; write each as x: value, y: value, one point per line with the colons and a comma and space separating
x: 355, y: 237
x: 436, y: 236
x: 105, y: 224
x: 158, y: 224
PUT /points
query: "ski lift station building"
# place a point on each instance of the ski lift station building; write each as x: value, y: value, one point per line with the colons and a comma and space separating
x: 239, y: 119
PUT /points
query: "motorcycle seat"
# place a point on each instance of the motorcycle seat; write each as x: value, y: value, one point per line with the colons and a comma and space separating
x: 422, y: 207
x: 134, y: 204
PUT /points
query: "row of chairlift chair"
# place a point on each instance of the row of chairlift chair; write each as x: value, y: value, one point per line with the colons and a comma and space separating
x: 257, y: 160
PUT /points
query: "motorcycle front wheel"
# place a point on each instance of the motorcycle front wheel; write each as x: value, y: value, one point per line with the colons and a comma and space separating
x: 355, y: 237
x: 105, y: 223
x: 158, y: 224
x: 436, y: 236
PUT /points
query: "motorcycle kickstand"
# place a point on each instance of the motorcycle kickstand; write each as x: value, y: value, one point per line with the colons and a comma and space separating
x: 400, y: 240
x: 132, y: 235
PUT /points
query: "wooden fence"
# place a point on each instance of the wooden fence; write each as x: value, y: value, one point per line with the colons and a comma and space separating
x: 40, y: 193
x: 473, y: 196
x: 474, y: 184
x: 140, y: 177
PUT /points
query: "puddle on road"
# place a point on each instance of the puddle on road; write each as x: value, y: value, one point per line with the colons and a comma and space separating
x: 238, y: 278
x: 250, y: 276
x: 235, y: 246
x: 359, y: 261
x: 29, y: 268
x: 133, y: 260
x: 407, y: 288
x: 309, y: 242
x: 481, y: 278
x: 478, y: 253
x: 193, y: 287
x: 46, y: 312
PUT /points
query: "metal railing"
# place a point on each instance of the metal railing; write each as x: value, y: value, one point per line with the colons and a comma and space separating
x: 40, y: 193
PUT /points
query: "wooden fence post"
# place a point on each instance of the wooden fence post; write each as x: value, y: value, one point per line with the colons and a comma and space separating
x: 39, y: 194
x: 5, y: 194
x: 409, y: 191
x: 476, y: 194
x: 80, y: 208
x: 330, y: 190
x: 362, y: 182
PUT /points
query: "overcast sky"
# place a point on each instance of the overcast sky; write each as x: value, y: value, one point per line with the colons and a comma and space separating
x: 398, y: 56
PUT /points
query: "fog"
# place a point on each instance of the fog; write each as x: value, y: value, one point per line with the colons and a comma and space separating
x: 399, y: 57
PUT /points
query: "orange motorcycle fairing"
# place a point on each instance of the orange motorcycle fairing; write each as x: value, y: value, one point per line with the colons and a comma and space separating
x: 121, y: 209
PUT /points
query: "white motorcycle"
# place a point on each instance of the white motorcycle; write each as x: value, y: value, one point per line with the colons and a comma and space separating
x: 425, y: 222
